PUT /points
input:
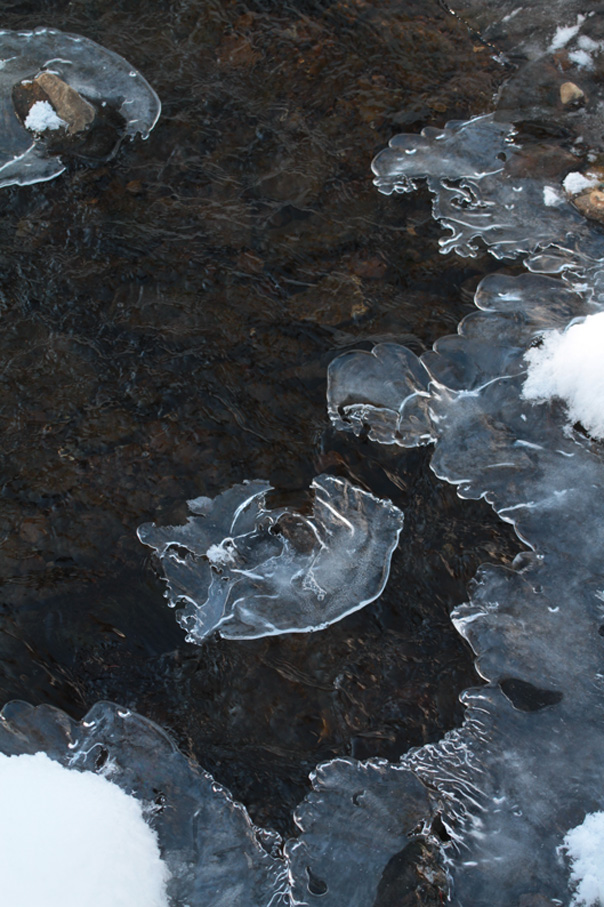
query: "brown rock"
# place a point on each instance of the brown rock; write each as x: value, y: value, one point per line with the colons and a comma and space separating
x: 591, y: 204
x: 68, y: 104
x: 571, y: 93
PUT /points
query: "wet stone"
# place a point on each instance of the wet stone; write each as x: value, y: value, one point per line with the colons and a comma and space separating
x: 571, y: 93
x: 591, y: 204
x: 67, y: 103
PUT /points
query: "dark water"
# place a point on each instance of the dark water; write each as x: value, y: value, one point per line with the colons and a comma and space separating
x: 167, y: 320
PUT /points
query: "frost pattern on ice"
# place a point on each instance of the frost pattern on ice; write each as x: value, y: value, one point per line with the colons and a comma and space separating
x: 247, y: 571
x: 213, y: 852
x: 470, y: 168
x: 96, y: 73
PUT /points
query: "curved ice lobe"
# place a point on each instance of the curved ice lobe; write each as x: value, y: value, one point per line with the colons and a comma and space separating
x: 382, y: 393
x: 214, y: 853
x: 357, y: 827
x: 120, y: 100
x: 463, y: 149
x: 475, y: 174
x: 248, y: 571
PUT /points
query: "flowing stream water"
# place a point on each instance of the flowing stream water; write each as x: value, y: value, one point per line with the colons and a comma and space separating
x: 170, y: 315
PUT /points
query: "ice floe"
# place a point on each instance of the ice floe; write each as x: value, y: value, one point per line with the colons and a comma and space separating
x: 44, y: 73
x: 245, y: 570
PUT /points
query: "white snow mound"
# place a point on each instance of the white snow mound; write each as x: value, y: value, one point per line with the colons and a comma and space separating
x: 584, y: 846
x: 62, y: 831
x: 570, y: 365
x: 42, y: 116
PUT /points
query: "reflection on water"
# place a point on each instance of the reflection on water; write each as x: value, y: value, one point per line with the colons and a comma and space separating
x: 167, y: 322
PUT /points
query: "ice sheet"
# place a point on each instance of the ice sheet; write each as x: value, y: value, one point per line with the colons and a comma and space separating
x: 247, y: 571
x: 98, y: 74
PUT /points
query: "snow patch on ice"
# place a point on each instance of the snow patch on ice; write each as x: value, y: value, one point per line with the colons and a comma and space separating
x: 551, y: 197
x: 42, y: 116
x: 577, y: 182
x: 570, y: 365
x: 64, y: 830
x: 564, y: 33
x: 584, y: 846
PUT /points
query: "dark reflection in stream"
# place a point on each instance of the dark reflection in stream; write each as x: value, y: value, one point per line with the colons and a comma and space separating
x: 167, y: 320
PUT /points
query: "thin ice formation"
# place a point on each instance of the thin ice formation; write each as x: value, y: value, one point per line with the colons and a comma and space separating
x: 215, y: 856
x: 247, y: 571
x: 97, y: 74
x: 528, y: 763
x: 470, y: 168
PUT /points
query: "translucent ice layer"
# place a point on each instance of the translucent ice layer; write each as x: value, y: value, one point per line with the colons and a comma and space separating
x: 58, y: 824
x: 214, y: 854
x: 248, y: 571
x: 528, y: 763
x: 100, y: 76
x: 480, y: 192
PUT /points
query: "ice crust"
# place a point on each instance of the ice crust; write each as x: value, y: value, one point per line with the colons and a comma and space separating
x: 57, y: 824
x: 96, y: 73
x: 247, y: 571
x: 213, y: 853
x: 474, y: 171
x: 528, y: 762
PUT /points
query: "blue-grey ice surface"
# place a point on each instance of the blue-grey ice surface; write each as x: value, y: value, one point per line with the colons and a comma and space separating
x: 247, y: 571
x: 528, y: 763
x: 98, y: 74
x: 477, y: 193
x: 215, y: 855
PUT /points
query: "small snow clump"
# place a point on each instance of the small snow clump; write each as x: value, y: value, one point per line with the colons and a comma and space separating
x: 62, y: 831
x: 576, y: 182
x: 570, y: 365
x: 41, y: 117
x: 584, y: 846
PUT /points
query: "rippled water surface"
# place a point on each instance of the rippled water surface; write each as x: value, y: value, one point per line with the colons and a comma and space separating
x: 167, y: 321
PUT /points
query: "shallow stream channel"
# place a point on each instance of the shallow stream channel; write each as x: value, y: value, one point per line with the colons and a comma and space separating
x: 196, y: 302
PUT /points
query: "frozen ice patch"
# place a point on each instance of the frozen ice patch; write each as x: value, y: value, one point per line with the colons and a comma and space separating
x: 62, y: 829
x: 246, y: 570
x: 584, y: 846
x: 570, y: 365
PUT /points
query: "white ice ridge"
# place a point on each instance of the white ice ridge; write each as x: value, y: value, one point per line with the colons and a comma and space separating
x: 569, y: 364
x: 97, y: 74
x: 245, y: 570
x: 110, y: 814
x: 584, y: 846
x: 61, y: 828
